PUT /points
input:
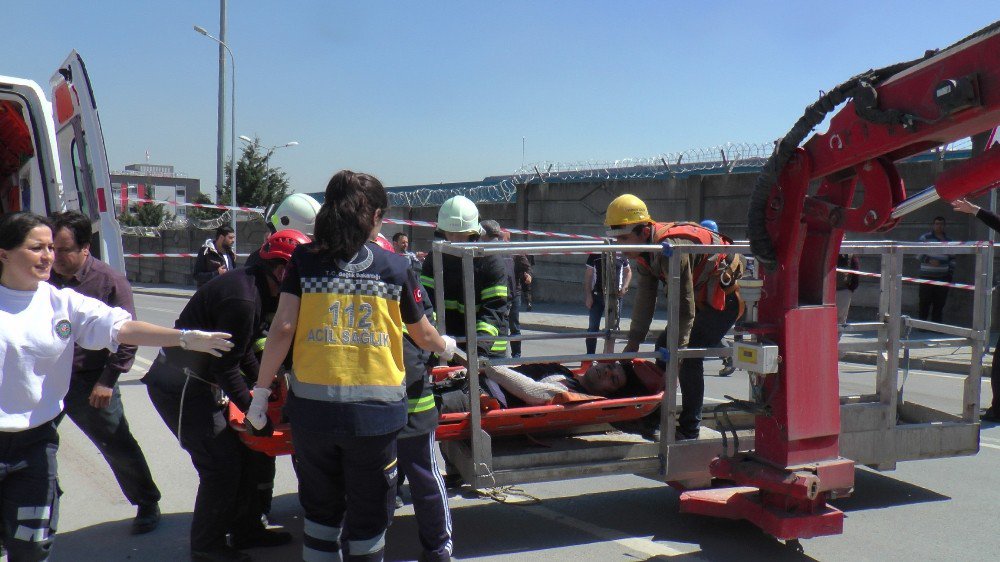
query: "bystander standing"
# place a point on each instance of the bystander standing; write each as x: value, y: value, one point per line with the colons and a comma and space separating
x: 935, y: 267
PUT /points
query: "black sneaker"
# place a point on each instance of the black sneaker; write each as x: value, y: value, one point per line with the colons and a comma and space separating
x: 991, y: 415
x: 220, y: 554
x: 261, y: 539
x: 147, y: 517
x: 681, y: 435
x: 399, y: 502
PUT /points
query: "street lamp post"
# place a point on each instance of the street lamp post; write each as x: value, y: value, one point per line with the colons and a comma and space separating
x: 270, y: 151
x: 232, y: 132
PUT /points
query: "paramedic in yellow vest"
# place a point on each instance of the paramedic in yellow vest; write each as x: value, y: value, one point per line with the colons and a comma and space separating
x: 343, y: 305
x: 709, y: 302
x: 458, y: 221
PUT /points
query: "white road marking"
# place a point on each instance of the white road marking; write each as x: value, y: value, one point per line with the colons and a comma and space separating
x: 997, y: 447
x: 642, y: 545
x: 158, y: 309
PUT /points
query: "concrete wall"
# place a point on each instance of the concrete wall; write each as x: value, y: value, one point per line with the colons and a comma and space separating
x: 579, y: 208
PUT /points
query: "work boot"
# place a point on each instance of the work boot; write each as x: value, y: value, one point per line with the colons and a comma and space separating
x: 220, y: 554
x: 399, y: 501
x: 453, y: 480
x: 263, y: 538
x: 991, y: 415
x: 147, y: 517
x: 684, y: 435
x: 727, y: 368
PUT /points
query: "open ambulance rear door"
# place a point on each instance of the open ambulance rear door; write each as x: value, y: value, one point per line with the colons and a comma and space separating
x: 83, y: 161
x: 29, y: 177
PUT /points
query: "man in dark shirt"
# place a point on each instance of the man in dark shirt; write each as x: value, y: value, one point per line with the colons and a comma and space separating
x: 216, y: 256
x: 94, y: 402
x: 186, y: 391
x: 593, y: 289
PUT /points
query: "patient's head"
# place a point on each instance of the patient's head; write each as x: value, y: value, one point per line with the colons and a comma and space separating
x: 603, y: 379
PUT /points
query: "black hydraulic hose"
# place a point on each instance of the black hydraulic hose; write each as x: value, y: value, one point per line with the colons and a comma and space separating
x: 760, y: 241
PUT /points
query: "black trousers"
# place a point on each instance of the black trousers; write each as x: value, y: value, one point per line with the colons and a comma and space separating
x: 514, y: 322
x: 995, y: 379
x: 932, y: 299
x: 108, y: 429
x: 710, y: 326
x: 418, y: 463
x: 347, y: 488
x: 227, y: 499
x: 29, y: 492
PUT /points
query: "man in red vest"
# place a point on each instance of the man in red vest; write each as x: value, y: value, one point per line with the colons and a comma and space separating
x: 709, y: 299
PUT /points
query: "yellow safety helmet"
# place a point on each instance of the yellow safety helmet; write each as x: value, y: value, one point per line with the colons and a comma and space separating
x: 624, y: 213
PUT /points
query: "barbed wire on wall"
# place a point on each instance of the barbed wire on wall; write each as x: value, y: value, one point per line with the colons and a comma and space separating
x: 174, y: 222
x: 726, y: 158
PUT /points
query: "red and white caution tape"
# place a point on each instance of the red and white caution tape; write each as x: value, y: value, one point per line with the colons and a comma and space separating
x: 913, y: 280
x: 171, y: 255
x: 510, y: 230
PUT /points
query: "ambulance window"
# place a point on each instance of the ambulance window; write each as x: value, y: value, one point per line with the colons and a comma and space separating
x: 81, y: 194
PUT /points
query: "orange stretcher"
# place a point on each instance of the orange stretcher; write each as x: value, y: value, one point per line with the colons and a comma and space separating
x: 455, y: 426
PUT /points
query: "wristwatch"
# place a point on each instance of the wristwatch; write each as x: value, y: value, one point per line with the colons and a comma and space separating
x: 183, y: 339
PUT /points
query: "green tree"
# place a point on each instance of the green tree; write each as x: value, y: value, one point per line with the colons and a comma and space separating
x: 203, y: 214
x: 151, y: 215
x: 143, y: 215
x: 258, y: 184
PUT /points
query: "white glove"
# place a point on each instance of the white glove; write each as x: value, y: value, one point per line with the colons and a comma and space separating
x: 213, y: 343
x: 450, y: 348
x: 257, y: 414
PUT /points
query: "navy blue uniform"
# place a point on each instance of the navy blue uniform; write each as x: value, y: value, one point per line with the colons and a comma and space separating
x: 347, y: 399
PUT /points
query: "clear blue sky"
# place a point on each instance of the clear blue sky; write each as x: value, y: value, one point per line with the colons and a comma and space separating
x: 424, y: 92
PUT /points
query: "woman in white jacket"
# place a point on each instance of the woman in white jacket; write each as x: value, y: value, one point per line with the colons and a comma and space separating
x: 39, y: 325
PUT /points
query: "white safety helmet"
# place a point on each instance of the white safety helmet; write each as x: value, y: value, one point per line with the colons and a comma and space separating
x: 297, y: 212
x: 458, y: 214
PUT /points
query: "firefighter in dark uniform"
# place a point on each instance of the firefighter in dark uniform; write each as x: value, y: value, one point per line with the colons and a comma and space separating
x: 344, y: 302
x: 186, y: 388
x: 458, y: 221
x: 415, y: 449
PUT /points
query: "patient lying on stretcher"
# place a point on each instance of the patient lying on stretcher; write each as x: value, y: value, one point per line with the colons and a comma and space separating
x: 551, y: 383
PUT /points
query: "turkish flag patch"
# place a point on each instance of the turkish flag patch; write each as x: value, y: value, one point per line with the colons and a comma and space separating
x: 418, y: 295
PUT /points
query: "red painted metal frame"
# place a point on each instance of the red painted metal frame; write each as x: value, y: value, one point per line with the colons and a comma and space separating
x: 795, y: 468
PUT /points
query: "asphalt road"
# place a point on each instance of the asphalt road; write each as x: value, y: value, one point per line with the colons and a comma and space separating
x: 925, y: 510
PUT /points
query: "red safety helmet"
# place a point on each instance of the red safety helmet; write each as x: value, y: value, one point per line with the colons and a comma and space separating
x: 384, y: 243
x: 281, y: 244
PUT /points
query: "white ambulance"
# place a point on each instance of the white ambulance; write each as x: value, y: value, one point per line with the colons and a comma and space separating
x: 52, y: 155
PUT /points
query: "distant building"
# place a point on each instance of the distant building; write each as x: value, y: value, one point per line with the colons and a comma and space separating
x: 153, y: 181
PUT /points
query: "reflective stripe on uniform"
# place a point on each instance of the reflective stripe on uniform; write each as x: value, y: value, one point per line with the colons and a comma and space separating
x: 454, y: 305
x: 31, y: 534
x: 488, y: 328
x: 498, y: 347
x: 422, y: 404
x: 368, y: 546
x: 321, y: 532
x: 321, y: 543
x: 314, y: 555
x: 493, y: 292
x: 353, y: 393
x: 427, y: 281
x: 38, y: 513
